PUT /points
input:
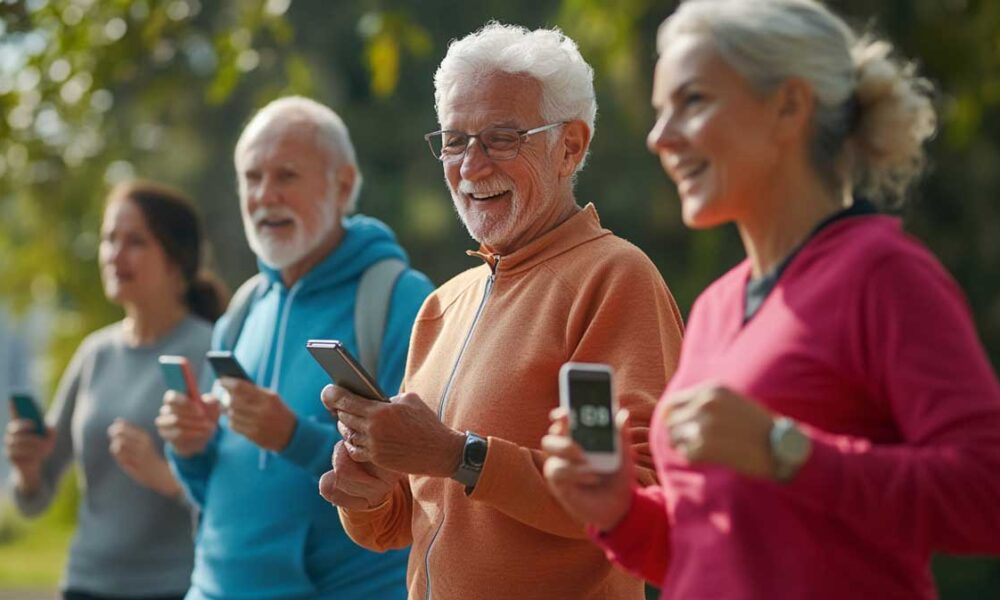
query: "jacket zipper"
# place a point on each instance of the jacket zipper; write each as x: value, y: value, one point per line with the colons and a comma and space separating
x: 444, y: 399
x: 279, y: 351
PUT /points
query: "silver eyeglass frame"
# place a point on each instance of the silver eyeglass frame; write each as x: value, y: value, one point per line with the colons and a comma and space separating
x: 522, y: 135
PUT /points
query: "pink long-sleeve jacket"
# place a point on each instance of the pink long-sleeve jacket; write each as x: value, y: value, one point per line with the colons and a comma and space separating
x: 868, y: 343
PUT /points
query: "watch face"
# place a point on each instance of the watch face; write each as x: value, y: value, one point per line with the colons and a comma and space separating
x: 792, y: 445
x: 475, y: 451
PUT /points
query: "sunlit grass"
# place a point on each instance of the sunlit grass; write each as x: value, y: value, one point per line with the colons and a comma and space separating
x: 35, y: 557
x: 33, y: 552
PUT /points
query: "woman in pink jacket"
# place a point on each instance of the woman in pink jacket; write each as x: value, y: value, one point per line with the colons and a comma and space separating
x: 834, y: 418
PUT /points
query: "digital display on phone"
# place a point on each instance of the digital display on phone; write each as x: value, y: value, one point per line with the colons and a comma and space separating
x: 590, y: 418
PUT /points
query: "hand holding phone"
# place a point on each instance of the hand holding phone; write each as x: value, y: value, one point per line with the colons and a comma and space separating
x: 27, y: 447
x: 179, y: 376
x: 344, y: 370
x: 590, y: 496
x: 586, y: 391
x: 188, y: 427
x: 23, y: 406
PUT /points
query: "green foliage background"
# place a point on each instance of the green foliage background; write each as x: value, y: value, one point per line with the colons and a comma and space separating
x: 92, y: 91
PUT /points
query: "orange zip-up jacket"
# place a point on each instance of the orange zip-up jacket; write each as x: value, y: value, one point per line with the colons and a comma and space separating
x: 485, y: 354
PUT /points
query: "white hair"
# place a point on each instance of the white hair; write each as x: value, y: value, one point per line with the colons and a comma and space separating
x: 873, y: 113
x: 332, y: 135
x: 545, y: 55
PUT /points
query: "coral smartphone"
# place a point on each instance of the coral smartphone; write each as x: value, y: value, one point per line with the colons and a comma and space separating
x: 586, y: 391
x: 344, y: 370
x: 23, y: 406
x: 225, y: 365
x: 179, y: 376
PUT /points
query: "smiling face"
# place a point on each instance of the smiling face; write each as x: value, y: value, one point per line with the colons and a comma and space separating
x: 134, y: 267
x: 504, y: 203
x: 289, y: 204
x: 714, y: 135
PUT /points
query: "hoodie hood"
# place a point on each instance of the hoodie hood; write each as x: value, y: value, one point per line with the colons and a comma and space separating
x: 366, y: 241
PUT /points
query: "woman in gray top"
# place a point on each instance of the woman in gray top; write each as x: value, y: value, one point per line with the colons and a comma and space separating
x: 134, y: 534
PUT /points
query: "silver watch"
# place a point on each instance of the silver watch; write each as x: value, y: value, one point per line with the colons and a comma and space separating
x: 789, y: 448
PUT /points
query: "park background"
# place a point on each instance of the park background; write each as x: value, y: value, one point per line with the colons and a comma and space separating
x: 94, y: 91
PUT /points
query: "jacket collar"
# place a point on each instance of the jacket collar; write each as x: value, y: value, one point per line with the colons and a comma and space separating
x: 582, y: 227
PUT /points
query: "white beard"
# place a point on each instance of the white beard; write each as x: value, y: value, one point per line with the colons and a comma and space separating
x: 280, y: 252
x: 485, y: 228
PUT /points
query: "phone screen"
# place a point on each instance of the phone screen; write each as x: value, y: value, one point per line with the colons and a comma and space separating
x: 590, y: 411
x: 174, y: 377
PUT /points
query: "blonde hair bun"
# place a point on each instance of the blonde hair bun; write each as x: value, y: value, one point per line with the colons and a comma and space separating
x: 895, y: 117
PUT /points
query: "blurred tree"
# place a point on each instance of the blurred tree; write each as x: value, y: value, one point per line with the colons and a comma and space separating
x: 94, y: 92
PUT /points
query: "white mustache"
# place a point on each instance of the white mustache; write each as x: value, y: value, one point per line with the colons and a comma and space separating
x: 271, y: 213
x: 490, y: 187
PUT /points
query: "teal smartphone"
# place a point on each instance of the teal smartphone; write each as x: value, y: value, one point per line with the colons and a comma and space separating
x: 25, y: 407
x: 179, y: 376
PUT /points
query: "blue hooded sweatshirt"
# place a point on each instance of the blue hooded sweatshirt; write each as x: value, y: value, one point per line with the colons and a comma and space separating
x: 264, y: 531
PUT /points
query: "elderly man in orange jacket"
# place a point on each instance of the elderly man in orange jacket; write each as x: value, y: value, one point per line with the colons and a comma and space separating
x: 452, y: 465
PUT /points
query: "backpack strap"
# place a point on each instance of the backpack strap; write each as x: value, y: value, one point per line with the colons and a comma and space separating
x: 371, y: 309
x: 239, y: 308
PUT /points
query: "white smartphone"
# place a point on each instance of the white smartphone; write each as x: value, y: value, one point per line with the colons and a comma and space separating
x: 587, y: 392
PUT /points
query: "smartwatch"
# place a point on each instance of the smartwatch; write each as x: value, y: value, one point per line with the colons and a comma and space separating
x: 789, y: 448
x: 473, y: 457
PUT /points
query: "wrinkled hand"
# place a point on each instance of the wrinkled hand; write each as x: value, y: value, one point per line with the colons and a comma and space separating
x: 26, y: 451
x: 259, y: 414
x: 711, y: 424
x: 599, y: 499
x: 188, y: 426
x: 355, y: 485
x: 136, y: 453
x: 403, y: 435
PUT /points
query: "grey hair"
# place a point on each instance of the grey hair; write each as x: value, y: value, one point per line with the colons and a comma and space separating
x: 332, y: 135
x: 873, y: 113
x: 546, y: 55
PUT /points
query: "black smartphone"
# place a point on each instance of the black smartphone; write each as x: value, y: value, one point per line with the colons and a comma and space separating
x: 344, y: 370
x: 225, y: 365
x: 586, y: 391
x: 25, y: 407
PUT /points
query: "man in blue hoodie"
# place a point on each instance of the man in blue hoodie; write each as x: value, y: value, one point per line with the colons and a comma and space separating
x: 264, y: 532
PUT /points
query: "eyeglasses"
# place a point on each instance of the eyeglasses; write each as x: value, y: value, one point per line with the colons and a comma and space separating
x: 499, y: 143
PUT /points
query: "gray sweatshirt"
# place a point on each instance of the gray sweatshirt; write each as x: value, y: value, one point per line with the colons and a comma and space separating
x: 129, y: 539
